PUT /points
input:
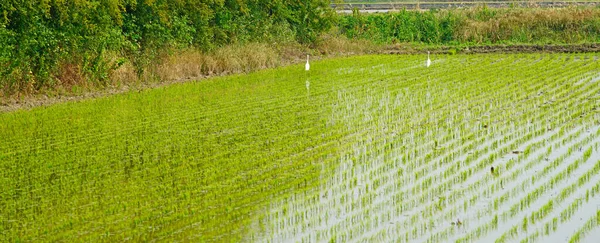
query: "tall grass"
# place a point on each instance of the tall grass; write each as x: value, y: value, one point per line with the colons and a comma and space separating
x: 476, y: 26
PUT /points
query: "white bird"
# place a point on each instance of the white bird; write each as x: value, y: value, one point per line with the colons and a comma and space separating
x: 307, y: 66
x: 428, y: 63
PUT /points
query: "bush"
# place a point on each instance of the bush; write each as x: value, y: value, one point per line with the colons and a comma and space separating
x: 39, y: 38
x: 478, y: 26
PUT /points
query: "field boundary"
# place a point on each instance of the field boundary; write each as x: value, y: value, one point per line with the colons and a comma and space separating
x: 40, y: 100
x: 423, y: 5
x: 581, y: 48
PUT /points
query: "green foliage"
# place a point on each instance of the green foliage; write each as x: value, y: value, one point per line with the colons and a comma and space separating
x: 36, y: 37
x: 480, y: 25
x: 405, y: 26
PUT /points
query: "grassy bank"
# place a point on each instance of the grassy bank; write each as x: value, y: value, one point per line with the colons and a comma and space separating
x: 61, y: 57
x: 476, y: 26
x: 50, y: 44
x: 183, y: 65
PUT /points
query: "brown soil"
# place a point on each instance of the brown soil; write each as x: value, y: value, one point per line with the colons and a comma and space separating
x: 32, y: 101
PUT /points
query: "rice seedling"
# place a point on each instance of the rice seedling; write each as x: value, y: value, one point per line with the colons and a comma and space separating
x: 371, y: 148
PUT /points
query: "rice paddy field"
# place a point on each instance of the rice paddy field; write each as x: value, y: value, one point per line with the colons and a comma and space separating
x: 369, y: 148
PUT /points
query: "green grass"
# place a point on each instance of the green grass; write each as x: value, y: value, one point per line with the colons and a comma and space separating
x: 201, y: 161
x: 194, y: 157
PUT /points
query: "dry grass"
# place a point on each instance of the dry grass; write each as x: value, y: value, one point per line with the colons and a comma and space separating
x: 69, y: 74
x: 335, y: 45
x: 528, y: 25
x: 17, y: 84
x: 124, y: 74
x: 70, y: 83
x: 192, y: 64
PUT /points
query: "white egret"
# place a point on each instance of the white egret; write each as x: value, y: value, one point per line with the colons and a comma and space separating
x: 428, y: 63
x: 307, y: 66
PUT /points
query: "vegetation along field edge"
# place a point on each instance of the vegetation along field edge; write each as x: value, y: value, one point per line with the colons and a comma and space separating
x: 76, y: 49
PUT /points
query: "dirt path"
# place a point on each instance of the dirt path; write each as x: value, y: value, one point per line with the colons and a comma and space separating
x: 32, y: 101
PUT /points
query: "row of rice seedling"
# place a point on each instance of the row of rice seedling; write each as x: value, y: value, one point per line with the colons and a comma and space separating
x: 533, y: 178
x: 393, y: 185
x: 487, y: 208
x: 502, y: 170
x: 582, y: 189
x: 202, y: 149
x: 364, y: 148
